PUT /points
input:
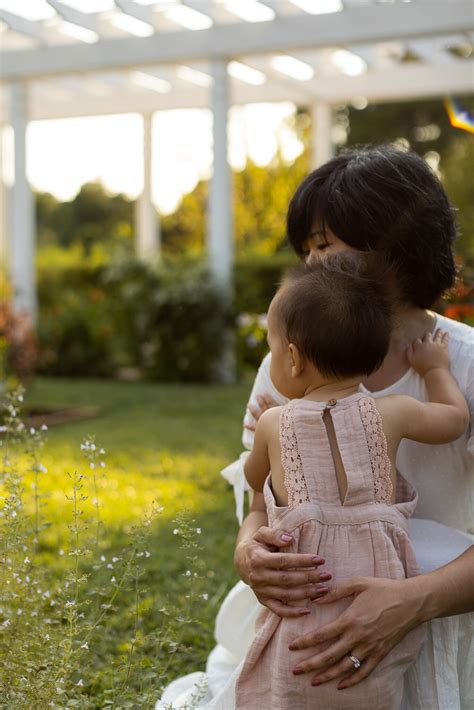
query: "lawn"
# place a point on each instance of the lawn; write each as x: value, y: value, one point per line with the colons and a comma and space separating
x: 165, y: 445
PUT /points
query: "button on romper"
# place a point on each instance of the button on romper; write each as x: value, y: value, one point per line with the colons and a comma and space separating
x: 365, y: 535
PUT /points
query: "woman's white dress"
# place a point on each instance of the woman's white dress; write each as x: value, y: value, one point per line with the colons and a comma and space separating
x: 443, y: 676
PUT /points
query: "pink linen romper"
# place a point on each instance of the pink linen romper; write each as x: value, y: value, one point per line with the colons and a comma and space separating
x: 365, y: 535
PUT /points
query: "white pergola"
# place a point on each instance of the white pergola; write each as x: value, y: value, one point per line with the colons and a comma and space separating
x: 65, y: 58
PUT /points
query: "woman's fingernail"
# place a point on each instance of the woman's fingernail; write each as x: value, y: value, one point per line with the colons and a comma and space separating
x: 303, y: 612
x: 318, y: 560
x: 325, y: 576
x: 297, y: 670
x: 322, y: 591
x: 316, y: 682
x: 292, y: 647
x: 286, y: 538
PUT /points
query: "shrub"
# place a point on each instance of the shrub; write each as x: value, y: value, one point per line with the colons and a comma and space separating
x: 166, y: 320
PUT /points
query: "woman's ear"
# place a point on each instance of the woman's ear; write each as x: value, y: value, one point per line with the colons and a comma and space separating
x: 297, y: 360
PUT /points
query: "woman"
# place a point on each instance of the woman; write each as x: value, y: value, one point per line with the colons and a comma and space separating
x: 387, y: 200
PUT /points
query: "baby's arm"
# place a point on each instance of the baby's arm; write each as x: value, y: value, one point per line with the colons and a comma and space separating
x: 257, y: 464
x: 446, y: 416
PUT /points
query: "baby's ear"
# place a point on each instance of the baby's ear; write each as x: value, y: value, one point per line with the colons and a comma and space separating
x: 297, y: 360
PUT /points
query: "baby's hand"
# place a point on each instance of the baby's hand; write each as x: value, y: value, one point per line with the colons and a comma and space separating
x: 429, y: 352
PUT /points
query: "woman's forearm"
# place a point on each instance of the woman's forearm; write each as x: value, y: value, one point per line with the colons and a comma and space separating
x: 448, y: 590
x: 256, y: 517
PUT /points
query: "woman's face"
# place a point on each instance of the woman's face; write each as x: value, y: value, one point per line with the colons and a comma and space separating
x: 321, y: 242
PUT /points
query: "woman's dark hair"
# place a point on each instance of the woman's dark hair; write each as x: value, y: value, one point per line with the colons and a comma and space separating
x: 337, y: 311
x: 387, y: 200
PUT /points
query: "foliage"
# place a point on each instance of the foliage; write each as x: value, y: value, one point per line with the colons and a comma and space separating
x: 92, y: 217
x: 18, y: 348
x: 164, y: 320
x: 80, y: 625
x: 170, y: 318
x: 458, y: 304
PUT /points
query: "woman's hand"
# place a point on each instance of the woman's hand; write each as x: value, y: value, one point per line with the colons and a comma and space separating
x: 264, y: 402
x: 279, y: 577
x: 382, y: 613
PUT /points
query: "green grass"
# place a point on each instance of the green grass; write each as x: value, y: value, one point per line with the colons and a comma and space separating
x: 164, y: 443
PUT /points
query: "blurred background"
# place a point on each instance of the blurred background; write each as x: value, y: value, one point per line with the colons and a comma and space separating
x: 156, y: 146
x: 149, y: 150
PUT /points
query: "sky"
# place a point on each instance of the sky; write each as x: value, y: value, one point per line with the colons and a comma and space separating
x: 64, y: 154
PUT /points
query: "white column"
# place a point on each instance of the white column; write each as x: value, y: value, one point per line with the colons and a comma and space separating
x: 219, y: 231
x: 322, y: 148
x: 147, y: 226
x: 21, y: 212
x: 4, y: 197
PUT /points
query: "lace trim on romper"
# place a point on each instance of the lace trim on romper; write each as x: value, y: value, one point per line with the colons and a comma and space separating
x: 377, y: 444
x: 291, y: 460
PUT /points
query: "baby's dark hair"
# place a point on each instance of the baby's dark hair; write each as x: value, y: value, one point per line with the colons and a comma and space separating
x: 387, y: 200
x: 338, y: 312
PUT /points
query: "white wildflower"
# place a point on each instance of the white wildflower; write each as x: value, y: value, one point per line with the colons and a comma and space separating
x: 102, y: 558
x: 109, y: 566
x: 102, y: 464
x: 147, y: 554
x: 175, y: 531
x: 102, y: 451
x: 205, y: 596
x: 80, y: 682
x: 32, y: 430
x: 26, y: 561
x: 61, y: 553
x: 198, y: 530
x: 113, y: 579
x: 91, y: 465
x: 44, y: 427
x: 115, y: 559
x: 85, y: 645
x: 187, y: 573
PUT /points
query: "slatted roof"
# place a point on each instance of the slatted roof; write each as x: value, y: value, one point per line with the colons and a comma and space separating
x: 90, y: 57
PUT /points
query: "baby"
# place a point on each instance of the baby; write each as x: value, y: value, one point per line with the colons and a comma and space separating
x: 326, y: 464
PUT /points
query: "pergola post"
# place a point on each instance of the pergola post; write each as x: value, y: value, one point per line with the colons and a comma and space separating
x: 219, y: 237
x: 322, y: 148
x: 21, y: 213
x: 4, y: 198
x: 147, y: 226
x: 220, y: 219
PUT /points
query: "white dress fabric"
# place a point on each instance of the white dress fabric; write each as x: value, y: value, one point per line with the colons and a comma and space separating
x: 443, y: 676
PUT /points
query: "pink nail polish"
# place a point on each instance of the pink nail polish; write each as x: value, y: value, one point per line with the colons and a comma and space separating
x: 325, y: 576
x: 315, y: 682
x: 318, y: 560
x: 286, y: 538
x: 322, y: 590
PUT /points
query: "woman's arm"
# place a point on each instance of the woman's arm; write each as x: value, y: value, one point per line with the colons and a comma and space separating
x: 382, y: 613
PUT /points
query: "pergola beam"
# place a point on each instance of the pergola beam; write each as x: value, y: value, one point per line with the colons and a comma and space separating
x: 397, y: 83
x: 354, y: 26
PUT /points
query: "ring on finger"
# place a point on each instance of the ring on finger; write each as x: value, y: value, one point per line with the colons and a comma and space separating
x: 355, y: 662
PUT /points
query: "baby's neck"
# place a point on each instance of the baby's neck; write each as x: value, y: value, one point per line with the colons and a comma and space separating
x: 338, y: 389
